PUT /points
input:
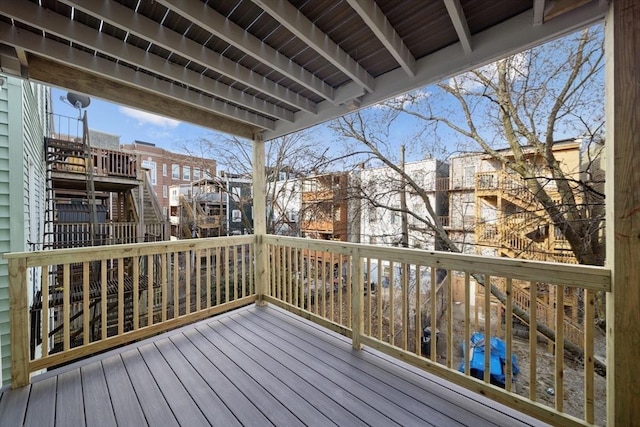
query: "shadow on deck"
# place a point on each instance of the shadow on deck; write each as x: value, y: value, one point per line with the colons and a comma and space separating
x: 252, y: 366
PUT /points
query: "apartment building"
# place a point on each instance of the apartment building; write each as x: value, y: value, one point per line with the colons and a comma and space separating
x: 167, y: 168
x: 381, y: 199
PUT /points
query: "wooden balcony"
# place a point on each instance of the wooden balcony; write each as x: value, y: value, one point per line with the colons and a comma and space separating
x: 262, y: 364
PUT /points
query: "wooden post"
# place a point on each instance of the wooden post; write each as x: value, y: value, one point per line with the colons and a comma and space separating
x: 18, y: 310
x: 260, y: 217
x: 622, y: 48
x: 357, y: 313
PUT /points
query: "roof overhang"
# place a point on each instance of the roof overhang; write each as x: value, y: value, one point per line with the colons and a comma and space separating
x: 250, y: 66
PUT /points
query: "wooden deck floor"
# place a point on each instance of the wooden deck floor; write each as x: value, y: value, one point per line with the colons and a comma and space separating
x: 253, y: 366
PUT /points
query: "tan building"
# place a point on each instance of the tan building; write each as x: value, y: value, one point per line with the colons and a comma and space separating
x: 167, y: 168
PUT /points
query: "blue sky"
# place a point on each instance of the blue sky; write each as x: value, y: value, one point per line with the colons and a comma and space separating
x: 131, y: 124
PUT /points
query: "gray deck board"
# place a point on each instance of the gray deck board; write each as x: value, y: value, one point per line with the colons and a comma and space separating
x: 276, y: 383
x: 42, y: 403
x: 69, y: 400
x: 152, y: 402
x: 123, y: 396
x: 97, y: 402
x: 179, y: 400
x: 372, y: 373
x: 390, y: 402
x: 212, y: 407
x: 13, y: 406
x: 252, y: 366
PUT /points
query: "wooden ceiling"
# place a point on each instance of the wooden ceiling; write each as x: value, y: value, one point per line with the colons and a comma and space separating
x: 270, y: 66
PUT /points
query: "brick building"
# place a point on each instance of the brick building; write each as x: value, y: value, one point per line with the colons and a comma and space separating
x: 167, y: 168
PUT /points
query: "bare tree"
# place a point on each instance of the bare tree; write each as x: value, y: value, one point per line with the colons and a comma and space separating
x: 288, y: 159
x: 515, y: 111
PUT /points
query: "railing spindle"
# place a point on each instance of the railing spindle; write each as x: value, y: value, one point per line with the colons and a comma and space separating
x: 150, y: 296
x: 136, y: 292
x: 433, y: 315
x: 559, y: 349
x: 487, y: 328
x: 467, y: 322
x: 85, y: 303
x: 589, y: 389
x: 164, y: 288
x: 44, y: 274
x: 418, y: 316
x: 533, y: 341
x: 509, y: 333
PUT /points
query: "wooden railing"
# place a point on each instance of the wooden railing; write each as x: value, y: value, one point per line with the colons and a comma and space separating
x: 93, y: 299
x: 80, y: 234
x: 384, y: 297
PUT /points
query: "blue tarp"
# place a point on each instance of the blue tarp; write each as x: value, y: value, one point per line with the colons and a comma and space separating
x: 498, y: 358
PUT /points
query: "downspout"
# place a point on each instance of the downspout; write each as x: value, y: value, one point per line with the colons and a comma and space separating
x: 259, y: 216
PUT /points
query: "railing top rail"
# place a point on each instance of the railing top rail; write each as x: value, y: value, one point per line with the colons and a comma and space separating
x: 97, y: 253
x: 583, y: 276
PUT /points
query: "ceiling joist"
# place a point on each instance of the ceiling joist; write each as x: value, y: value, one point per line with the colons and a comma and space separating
x: 123, y: 18
x: 211, y: 21
x: 111, y: 46
x: 104, y: 68
x: 381, y: 27
x: 454, y: 8
x: 293, y: 20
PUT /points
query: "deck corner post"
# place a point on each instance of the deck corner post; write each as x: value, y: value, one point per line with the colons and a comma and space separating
x: 622, y: 48
x: 19, y: 322
x: 259, y: 216
x: 357, y: 314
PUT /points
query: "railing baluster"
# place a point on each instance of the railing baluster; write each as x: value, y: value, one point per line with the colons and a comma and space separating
x: 589, y: 390
x: 226, y: 274
x: 187, y: 280
x: 136, y: 292
x: 103, y: 299
x: 405, y: 309
x: 433, y: 315
x: 356, y: 299
x: 379, y: 297
x: 559, y: 349
x: 467, y: 322
x: 367, y: 274
x: 85, y: 302
x: 164, y: 288
x: 150, y: 283
x: 449, y: 299
x: 198, y: 273
x: 218, y: 278
x: 44, y: 274
x: 174, y: 283
x: 533, y: 341
x: 121, y: 295
x: 243, y: 270
x: 349, y: 295
x: 392, y: 301
x: 487, y: 328
x: 509, y: 333
x: 66, y: 305
x: 418, y: 316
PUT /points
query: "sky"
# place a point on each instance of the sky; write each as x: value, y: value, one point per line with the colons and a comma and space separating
x: 131, y: 124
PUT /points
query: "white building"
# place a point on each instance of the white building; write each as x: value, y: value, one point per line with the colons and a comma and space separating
x: 381, y: 204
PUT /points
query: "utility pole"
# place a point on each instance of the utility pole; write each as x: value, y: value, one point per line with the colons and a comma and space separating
x: 403, y: 203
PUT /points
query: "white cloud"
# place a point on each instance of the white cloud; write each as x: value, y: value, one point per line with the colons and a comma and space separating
x: 148, y: 118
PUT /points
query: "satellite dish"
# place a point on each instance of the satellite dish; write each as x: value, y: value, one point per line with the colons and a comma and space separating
x: 77, y: 100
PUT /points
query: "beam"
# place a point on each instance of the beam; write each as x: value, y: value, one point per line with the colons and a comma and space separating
x: 64, y: 76
x: 538, y: 12
x: 622, y: 48
x: 126, y: 19
x: 209, y: 20
x: 507, y: 38
x: 60, y: 26
x: 373, y: 16
x: 454, y: 8
x: 293, y: 20
x: 82, y: 60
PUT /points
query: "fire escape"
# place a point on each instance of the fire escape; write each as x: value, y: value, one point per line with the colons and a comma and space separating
x: 94, y: 196
x: 521, y: 229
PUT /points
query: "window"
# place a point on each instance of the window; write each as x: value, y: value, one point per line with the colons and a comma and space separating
x: 151, y: 165
x: 196, y: 174
x: 186, y: 173
x: 373, y: 215
x: 175, y: 171
x: 469, y: 176
x: 164, y: 169
x: 236, y: 215
x: 165, y: 191
x: 164, y: 211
